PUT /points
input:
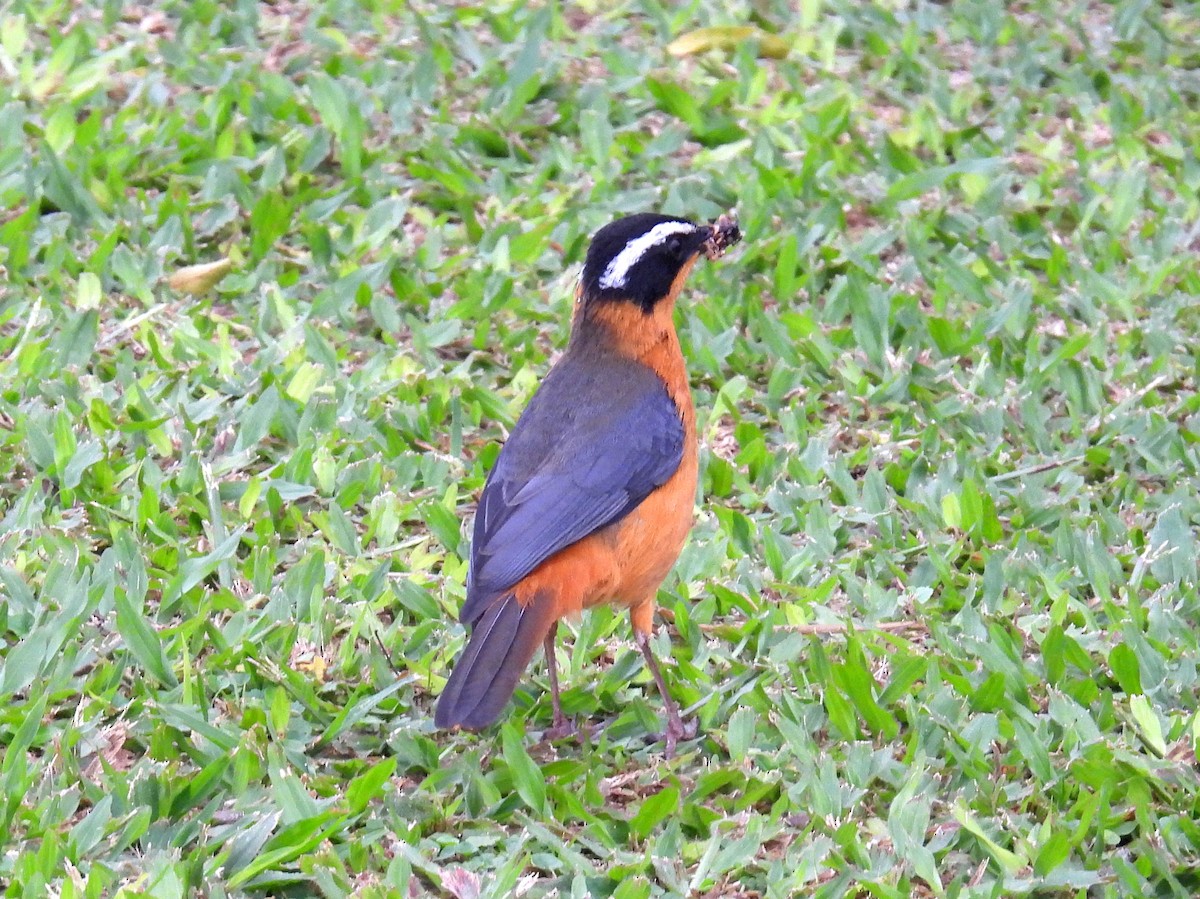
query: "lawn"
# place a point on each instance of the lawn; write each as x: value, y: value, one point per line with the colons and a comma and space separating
x: 938, y: 618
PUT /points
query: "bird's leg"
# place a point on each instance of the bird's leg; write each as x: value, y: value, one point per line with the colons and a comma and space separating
x: 677, y: 728
x: 561, y: 727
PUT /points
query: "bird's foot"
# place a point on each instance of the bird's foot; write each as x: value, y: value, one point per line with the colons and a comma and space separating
x: 678, y: 729
x: 561, y: 728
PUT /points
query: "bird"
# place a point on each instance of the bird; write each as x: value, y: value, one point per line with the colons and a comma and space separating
x: 592, y: 495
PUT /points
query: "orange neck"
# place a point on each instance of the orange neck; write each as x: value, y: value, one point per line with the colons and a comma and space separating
x: 632, y: 331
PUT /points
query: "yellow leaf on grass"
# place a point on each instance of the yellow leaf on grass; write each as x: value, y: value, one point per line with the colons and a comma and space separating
x: 313, y: 664
x: 197, y: 279
x: 728, y: 37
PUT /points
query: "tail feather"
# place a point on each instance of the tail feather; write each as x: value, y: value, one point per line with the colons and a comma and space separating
x: 502, y: 642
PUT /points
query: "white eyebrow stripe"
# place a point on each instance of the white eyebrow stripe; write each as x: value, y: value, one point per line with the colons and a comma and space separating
x: 618, y: 269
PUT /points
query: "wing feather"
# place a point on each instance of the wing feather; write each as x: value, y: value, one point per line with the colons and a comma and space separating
x: 597, y: 438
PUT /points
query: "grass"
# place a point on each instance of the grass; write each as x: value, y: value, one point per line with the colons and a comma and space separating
x: 937, y: 618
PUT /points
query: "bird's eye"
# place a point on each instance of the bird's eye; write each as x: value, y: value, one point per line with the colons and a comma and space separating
x: 675, y: 246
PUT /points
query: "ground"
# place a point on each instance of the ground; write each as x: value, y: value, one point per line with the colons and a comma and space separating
x: 937, y: 621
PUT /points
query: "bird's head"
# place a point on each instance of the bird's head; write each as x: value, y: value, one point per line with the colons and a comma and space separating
x: 643, y: 258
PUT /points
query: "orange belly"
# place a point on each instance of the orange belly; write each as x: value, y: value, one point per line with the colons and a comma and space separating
x: 647, y: 542
x: 626, y: 562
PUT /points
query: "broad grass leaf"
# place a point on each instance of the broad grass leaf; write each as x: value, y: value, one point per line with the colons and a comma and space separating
x: 369, y: 785
x: 23, y: 737
x: 527, y: 777
x: 1125, y: 668
x: 90, y: 829
x: 1055, y: 851
x: 188, y: 720
x: 654, y: 810
x: 355, y: 711
x: 1008, y: 860
x: 1148, y: 724
x: 741, y: 732
x: 247, y: 845
x: 290, y: 844
x: 143, y: 640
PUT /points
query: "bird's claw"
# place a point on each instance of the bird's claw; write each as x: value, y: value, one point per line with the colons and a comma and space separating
x: 560, y: 729
x: 678, y: 729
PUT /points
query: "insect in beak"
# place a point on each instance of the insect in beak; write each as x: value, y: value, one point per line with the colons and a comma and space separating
x: 725, y: 233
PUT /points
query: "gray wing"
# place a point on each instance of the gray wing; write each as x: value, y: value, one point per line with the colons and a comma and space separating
x: 598, y: 437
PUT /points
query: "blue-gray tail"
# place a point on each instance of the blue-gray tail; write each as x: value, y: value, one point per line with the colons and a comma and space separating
x: 502, y: 642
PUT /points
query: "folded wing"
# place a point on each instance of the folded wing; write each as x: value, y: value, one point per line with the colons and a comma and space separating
x: 598, y: 437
